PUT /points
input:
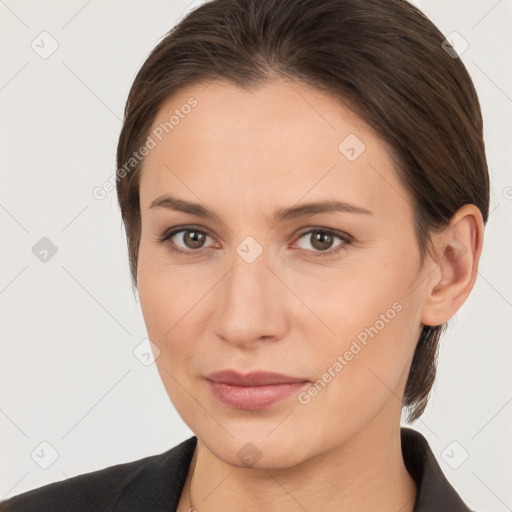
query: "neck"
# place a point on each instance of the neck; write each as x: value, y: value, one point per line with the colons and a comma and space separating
x: 367, y: 472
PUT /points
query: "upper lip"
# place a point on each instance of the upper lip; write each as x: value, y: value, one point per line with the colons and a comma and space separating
x: 256, y: 378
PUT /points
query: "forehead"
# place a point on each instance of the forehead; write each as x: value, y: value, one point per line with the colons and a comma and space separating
x: 272, y: 116
x: 279, y: 139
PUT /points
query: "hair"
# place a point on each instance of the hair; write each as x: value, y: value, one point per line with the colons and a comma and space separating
x: 383, y: 59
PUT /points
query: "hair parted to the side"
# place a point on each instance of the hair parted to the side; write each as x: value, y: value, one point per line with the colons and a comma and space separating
x: 381, y: 58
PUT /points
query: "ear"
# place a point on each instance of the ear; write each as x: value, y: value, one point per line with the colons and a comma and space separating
x: 457, y: 254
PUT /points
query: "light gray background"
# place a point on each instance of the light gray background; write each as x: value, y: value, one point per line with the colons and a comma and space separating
x: 68, y: 375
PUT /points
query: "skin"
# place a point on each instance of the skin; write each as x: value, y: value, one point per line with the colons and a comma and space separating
x: 244, y: 154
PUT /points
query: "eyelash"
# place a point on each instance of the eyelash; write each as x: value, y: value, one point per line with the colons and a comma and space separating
x: 345, y: 238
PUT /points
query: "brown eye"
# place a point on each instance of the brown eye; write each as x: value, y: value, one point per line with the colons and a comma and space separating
x: 185, y: 240
x: 193, y: 239
x: 322, y: 240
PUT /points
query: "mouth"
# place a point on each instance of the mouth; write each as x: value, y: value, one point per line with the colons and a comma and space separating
x: 252, y: 391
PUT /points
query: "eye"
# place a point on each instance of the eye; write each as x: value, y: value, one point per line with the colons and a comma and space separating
x: 191, y: 239
x: 322, y: 240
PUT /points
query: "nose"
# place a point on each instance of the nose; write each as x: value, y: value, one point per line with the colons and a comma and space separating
x: 252, y: 303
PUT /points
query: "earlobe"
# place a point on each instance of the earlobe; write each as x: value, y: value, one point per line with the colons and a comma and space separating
x: 457, y: 248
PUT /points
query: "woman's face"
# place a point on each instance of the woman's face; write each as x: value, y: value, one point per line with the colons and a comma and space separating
x: 332, y: 297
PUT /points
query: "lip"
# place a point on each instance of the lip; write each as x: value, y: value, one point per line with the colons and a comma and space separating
x: 252, y: 391
x: 256, y: 378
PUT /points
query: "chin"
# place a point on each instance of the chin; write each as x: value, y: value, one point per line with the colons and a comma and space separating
x: 252, y: 447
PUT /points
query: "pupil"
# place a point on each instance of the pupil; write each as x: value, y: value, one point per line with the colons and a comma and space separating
x: 322, y: 237
x: 194, y: 236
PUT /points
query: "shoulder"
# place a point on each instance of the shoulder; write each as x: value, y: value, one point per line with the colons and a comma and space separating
x: 156, y: 479
x: 434, y: 491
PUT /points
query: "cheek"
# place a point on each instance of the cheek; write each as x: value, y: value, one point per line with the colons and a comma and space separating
x: 170, y: 299
x: 176, y: 302
x: 372, y: 335
x: 164, y: 304
x: 164, y: 307
x: 368, y: 294
x: 370, y: 318
x: 166, y: 292
x: 361, y: 371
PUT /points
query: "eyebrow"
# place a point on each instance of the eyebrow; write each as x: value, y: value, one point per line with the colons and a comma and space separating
x: 304, y: 210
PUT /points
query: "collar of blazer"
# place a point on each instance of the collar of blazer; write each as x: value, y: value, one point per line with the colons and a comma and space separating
x: 155, y: 484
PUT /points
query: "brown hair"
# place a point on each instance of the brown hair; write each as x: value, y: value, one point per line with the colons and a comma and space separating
x: 384, y: 59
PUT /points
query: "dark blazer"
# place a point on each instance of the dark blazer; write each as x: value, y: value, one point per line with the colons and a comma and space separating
x: 154, y: 484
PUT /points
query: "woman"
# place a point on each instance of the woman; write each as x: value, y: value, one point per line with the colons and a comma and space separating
x: 304, y: 189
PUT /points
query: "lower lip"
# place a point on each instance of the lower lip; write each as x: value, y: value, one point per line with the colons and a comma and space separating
x: 255, y: 397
